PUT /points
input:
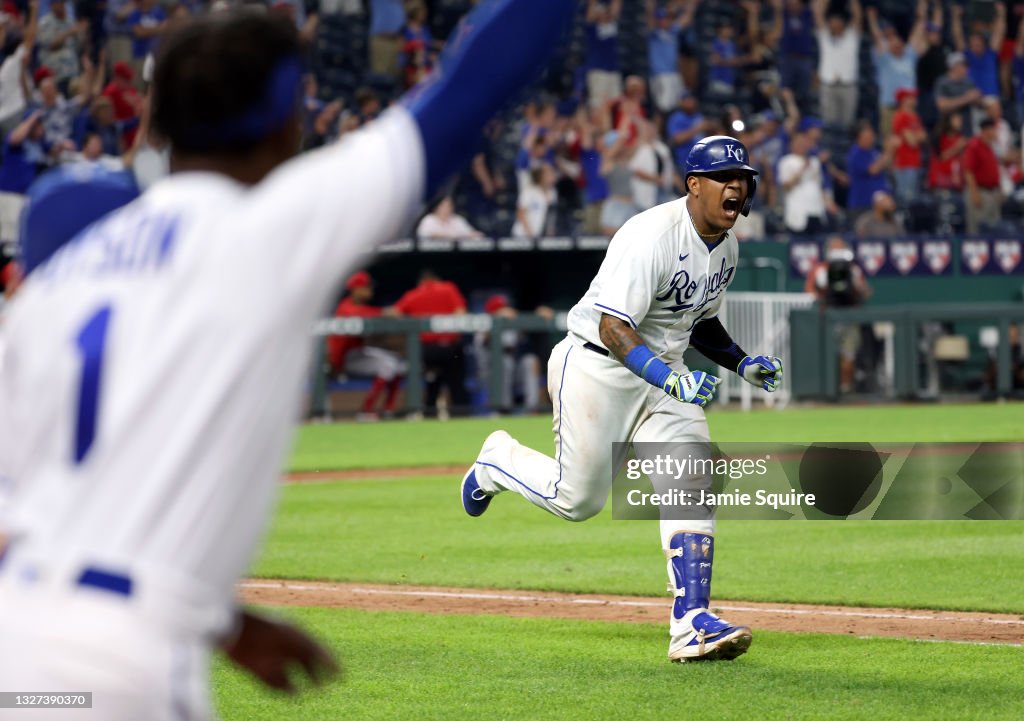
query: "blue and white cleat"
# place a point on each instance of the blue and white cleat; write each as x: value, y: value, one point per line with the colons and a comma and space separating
x: 474, y: 500
x: 707, y: 638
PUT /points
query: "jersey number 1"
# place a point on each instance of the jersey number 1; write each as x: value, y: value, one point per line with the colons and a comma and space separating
x: 90, y: 341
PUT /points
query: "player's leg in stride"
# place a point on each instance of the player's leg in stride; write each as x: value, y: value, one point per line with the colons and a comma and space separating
x: 619, y: 377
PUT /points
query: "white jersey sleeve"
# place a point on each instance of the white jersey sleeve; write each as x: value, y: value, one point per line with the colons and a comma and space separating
x: 632, y: 272
x: 305, y: 218
x: 661, y: 278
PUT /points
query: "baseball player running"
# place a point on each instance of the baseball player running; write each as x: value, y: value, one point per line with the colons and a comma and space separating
x: 149, y: 381
x: 619, y: 376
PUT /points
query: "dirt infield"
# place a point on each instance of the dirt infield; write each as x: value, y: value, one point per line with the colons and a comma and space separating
x: 369, y: 473
x: 980, y: 628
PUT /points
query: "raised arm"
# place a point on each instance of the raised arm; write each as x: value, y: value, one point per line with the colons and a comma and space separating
x: 917, y: 40
x: 498, y: 48
x: 21, y: 132
x: 957, y: 22
x: 999, y: 28
x: 876, y: 32
x: 774, y: 33
x: 856, y: 16
x: 818, y: 9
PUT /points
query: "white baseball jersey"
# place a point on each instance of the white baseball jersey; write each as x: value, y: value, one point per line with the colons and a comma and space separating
x: 154, y: 367
x: 661, y: 278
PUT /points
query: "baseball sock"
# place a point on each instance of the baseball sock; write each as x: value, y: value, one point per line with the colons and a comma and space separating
x: 393, y: 385
x: 375, y: 391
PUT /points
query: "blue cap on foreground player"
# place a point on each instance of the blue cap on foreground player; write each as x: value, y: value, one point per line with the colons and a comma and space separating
x: 64, y: 202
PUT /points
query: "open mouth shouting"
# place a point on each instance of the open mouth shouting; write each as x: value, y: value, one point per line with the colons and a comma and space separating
x: 731, y: 207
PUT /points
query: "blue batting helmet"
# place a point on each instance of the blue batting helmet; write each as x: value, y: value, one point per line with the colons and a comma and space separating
x: 720, y: 152
x: 64, y: 202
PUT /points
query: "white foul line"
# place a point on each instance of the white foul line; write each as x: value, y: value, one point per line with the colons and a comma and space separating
x: 476, y: 595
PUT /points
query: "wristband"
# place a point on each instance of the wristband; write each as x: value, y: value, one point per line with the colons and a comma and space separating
x: 642, y: 361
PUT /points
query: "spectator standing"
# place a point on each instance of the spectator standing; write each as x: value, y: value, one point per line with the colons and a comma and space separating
x: 1017, y: 74
x: 910, y: 136
x: 931, y: 66
x: 101, y: 121
x: 386, y: 20
x: 59, y: 113
x: 147, y: 23
x: 604, y: 74
x: 125, y: 98
x: 26, y: 154
x: 60, y: 42
x: 793, y: 34
x: 724, y: 61
x: 14, y: 83
x: 866, y: 166
x: 119, y: 32
x: 664, y: 27
x: 416, y: 34
x: 838, y: 62
x: 895, y: 61
x: 983, y: 199
x: 595, y: 190
x: 955, y: 92
x: 444, y: 363
x: 981, y: 55
x: 535, y: 200
x: 881, y: 222
x: 350, y: 355
x: 444, y: 222
x: 801, y: 178
x: 839, y: 282
x: 1009, y: 156
x: 619, y: 207
x: 652, y: 169
x: 684, y: 128
x: 945, y: 166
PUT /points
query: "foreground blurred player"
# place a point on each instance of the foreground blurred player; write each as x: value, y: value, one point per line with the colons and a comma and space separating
x: 150, y: 381
x: 619, y: 377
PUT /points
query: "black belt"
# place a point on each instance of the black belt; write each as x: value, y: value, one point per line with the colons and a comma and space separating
x: 596, y: 348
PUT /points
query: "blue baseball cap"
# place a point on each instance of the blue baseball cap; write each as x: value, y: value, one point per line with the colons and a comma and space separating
x: 810, y: 122
x: 62, y: 203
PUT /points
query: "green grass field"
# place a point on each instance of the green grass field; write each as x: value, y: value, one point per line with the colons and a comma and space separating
x: 388, y: 445
x: 412, y: 666
x: 412, y: 530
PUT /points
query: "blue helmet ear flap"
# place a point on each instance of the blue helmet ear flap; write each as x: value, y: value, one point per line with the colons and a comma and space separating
x: 745, y: 210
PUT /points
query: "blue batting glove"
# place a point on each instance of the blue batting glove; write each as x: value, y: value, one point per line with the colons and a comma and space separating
x: 762, y: 371
x: 697, y: 387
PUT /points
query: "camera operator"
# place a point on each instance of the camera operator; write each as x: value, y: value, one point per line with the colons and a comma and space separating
x: 839, y: 282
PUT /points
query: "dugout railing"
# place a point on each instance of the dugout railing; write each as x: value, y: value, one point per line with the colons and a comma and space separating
x: 815, y: 333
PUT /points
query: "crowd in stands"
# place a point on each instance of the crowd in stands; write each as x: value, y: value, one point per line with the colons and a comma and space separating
x: 908, y: 112
x: 865, y: 116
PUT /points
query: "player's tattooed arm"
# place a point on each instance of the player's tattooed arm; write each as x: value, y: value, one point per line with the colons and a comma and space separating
x: 617, y: 336
x: 626, y: 345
